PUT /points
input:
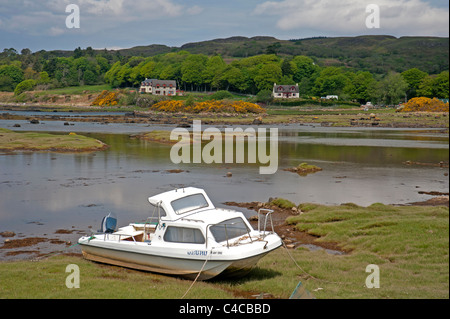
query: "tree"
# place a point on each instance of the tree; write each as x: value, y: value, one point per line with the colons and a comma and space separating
x: 10, y: 76
x: 331, y: 81
x: 360, y: 84
x: 435, y: 86
x: 441, y: 85
x: 267, y: 76
x: 234, y: 78
x: 413, y: 77
x: 305, y: 68
x: 192, y: 70
x: 215, y: 66
x: 77, y: 53
x: 425, y: 88
x: 43, y: 78
x: 273, y: 48
x: 111, y: 75
x: 389, y: 90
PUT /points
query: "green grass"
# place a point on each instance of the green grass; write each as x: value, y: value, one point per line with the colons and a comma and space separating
x: 78, y: 89
x: 283, y: 203
x: 47, y: 279
x: 34, y: 141
x: 409, y: 244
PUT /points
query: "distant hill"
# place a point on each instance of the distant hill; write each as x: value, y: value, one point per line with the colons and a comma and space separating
x: 377, y: 54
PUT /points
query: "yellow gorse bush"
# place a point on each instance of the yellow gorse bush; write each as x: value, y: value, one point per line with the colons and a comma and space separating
x: 425, y: 104
x: 106, y: 98
x: 208, y: 106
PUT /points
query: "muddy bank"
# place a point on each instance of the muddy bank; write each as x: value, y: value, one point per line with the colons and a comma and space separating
x: 18, y: 247
x: 436, y: 201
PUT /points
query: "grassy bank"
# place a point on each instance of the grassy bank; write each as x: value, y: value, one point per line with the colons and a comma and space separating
x: 33, y: 141
x: 410, y: 245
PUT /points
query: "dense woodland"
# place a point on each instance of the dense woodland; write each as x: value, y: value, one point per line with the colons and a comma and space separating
x: 25, y: 71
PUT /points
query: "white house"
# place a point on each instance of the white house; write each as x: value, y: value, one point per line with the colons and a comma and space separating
x: 286, y: 91
x: 159, y: 87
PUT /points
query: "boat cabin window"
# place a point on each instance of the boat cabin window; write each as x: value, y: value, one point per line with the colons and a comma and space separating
x: 189, y: 203
x: 228, y: 229
x: 184, y: 235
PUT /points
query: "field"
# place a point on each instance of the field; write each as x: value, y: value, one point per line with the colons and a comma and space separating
x: 409, y: 244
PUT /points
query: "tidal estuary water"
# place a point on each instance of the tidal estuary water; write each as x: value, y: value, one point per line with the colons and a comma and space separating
x: 41, y: 192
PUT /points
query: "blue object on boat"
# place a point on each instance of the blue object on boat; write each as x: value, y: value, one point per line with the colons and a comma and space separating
x: 109, y: 224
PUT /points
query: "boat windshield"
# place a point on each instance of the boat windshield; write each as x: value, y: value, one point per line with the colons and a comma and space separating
x: 189, y: 203
x: 228, y: 229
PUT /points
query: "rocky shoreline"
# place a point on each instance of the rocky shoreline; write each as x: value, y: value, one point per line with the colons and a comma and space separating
x: 394, y: 120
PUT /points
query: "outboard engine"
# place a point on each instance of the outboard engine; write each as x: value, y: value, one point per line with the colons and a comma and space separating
x: 109, y: 224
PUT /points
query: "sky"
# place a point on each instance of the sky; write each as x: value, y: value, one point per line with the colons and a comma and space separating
x: 114, y: 24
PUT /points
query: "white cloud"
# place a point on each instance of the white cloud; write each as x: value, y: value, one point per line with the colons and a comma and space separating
x: 195, y: 10
x: 397, y: 17
x: 55, y: 31
x: 24, y: 16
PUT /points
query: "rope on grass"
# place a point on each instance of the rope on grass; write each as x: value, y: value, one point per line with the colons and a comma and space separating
x: 298, y: 266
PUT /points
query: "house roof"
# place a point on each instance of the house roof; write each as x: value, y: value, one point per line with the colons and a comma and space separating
x: 155, y: 82
x: 278, y: 88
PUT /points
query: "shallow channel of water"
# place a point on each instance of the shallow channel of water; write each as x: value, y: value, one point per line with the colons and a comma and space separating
x: 41, y: 192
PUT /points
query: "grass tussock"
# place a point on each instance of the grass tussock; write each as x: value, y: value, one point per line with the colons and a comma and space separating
x: 34, y: 141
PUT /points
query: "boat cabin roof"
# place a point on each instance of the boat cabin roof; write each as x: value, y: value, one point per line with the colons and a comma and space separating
x: 182, y: 202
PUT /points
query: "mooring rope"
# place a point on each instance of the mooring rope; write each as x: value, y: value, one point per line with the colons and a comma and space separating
x: 198, y: 275
x: 298, y: 266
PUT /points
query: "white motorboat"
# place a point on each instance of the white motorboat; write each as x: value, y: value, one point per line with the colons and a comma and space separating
x: 185, y: 236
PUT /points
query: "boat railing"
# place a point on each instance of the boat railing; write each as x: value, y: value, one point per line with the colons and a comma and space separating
x: 226, y: 234
x: 267, y: 213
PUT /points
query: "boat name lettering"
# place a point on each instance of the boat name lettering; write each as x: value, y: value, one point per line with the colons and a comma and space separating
x: 197, y: 253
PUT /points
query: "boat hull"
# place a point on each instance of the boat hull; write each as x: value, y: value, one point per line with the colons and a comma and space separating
x: 188, y: 268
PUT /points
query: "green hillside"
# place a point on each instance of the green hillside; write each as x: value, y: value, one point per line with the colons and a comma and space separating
x: 376, y: 54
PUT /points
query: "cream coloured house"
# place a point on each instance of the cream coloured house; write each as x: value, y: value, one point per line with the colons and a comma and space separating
x: 159, y: 87
x: 286, y: 91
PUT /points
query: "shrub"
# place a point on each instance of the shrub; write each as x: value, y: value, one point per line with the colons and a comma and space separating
x: 220, y: 95
x: 106, y: 98
x: 24, y: 86
x: 208, y: 106
x: 425, y: 104
x: 264, y: 96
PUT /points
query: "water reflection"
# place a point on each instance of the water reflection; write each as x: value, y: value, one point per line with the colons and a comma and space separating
x: 361, y: 166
